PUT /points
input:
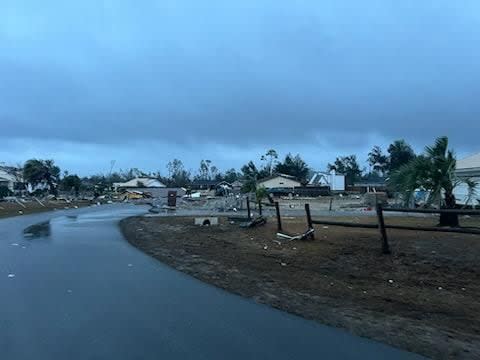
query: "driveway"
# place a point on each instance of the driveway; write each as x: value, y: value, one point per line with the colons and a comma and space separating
x: 73, y: 288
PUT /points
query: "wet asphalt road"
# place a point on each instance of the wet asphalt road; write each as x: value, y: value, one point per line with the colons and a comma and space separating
x: 75, y: 289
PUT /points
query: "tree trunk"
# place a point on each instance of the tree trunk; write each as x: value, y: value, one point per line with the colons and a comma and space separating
x: 449, y: 219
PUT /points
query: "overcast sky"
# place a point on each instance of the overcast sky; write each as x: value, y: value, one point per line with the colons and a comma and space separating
x: 141, y: 82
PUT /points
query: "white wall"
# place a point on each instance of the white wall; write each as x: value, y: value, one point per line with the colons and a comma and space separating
x: 337, y: 182
x: 279, y: 182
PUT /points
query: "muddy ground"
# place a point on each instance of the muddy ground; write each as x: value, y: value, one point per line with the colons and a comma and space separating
x: 8, y: 209
x: 423, y: 298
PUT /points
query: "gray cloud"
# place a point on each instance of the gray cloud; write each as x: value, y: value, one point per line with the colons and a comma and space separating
x: 251, y: 73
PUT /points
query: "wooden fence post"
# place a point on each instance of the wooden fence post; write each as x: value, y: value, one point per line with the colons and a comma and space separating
x: 260, y: 208
x: 309, y: 220
x: 279, y: 219
x: 249, y: 216
x: 330, y: 206
x: 383, y: 231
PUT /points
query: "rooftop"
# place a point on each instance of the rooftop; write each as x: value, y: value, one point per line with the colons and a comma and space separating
x: 470, y: 162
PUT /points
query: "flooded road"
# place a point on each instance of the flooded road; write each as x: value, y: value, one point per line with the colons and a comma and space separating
x: 72, y: 288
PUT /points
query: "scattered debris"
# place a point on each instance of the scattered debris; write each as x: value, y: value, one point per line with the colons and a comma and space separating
x: 38, y: 201
x: 390, y: 281
x: 260, y: 220
x: 19, y: 203
x: 303, y: 236
x: 14, y: 244
x: 440, y: 288
x: 283, y: 264
x: 325, y: 227
x: 130, y: 265
x: 265, y: 247
x: 11, y: 275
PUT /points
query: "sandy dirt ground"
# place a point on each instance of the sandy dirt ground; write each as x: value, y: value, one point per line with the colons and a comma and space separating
x: 8, y: 209
x: 423, y: 298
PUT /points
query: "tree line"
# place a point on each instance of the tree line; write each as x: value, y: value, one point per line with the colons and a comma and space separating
x: 432, y: 171
x: 38, y: 171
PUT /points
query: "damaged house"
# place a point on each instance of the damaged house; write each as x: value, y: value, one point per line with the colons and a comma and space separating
x: 11, y: 178
x: 140, y: 187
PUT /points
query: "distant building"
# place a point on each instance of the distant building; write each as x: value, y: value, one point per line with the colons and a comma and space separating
x: 280, y: 181
x: 376, y: 184
x: 139, y: 183
x: 10, y: 177
x: 334, y: 181
x: 468, y: 168
x: 209, y: 185
x: 237, y: 186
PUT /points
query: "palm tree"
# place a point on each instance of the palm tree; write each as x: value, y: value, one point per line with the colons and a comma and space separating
x: 434, y: 172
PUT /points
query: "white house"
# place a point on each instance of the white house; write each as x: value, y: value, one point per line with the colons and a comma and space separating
x: 468, y: 168
x: 280, y: 181
x: 335, y: 181
x: 139, y: 183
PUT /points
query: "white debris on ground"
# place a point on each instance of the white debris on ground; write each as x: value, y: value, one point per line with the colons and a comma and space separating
x: 11, y: 275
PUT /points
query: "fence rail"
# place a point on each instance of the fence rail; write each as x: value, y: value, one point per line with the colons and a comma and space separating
x: 433, y: 211
x: 382, y: 227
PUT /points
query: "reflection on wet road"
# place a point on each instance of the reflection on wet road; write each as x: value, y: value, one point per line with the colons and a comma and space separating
x: 72, y: 288
x: 38, y: 230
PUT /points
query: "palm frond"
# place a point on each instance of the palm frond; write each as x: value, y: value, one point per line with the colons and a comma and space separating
x: 472, y: 186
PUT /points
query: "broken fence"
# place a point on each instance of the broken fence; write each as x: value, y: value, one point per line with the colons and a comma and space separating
x: 382, y: 227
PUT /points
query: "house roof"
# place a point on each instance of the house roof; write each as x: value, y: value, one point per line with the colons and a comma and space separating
x: 205, y: 182
x: 5, y: 176
x: 210, y: 182
x: 290, y: 177
x: 145, y: 183
x: 469, y: 167
x: 9, y: 173
x: 470, y: 162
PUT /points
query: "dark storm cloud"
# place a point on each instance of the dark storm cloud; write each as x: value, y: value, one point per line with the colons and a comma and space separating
x: 257, y: 72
